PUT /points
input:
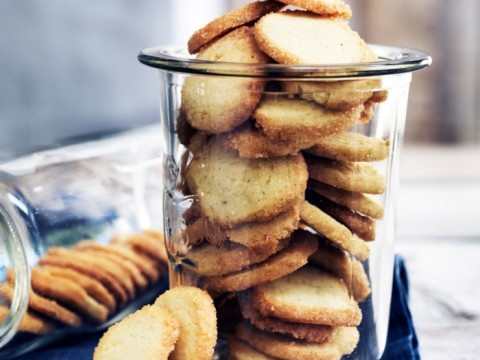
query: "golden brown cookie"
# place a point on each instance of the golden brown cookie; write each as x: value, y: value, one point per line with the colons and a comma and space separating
x: 29, y: 323
x: 238, y: 350
x: 337, y: 262
x: 234, y: 190
x: 49, y: 308
x: 343, y: 342
x: 215, y: 104
x: 69, y: 293
x: 151, y: 245
x: 211, y: 260
x: 351, y: 176
x: 335, y: 232
x: 302, y: 245
x: 148, y: 334
x: 360, y: 225
x: 356, y: 201
x: 285, y: 119
x: 334, y: 95
x: 325, y: 299
x: 351, y: 146
x: 299, y: 37
x: 330, y: 8
x: 196, y: 315
x: 230, y: 21
x: 93, y: 287
x: 308, y: 332
x: 252, y: 143
x: 68, y: 259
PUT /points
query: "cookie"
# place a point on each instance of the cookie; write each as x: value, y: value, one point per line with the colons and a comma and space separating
x: 148, y: 334
x: 94, y: 288
x: 351, y: 146
x: 351, y: 271
x: 233, y: 190
x: 325, y: 299
x: 48, y: 308
x: 335, y: 232
x: 67, y: 259
x: 302, y: 245
x: 330, y: 8
x: 252, y: 143
x: 215, y: 104
x: 360, y: 225
x: 150, y: 245
x: 238, y: 350
x: 353, y: 200
x: 69, y: 293
x: 30, y: 323
x: 196, y: 315
x: 230, y: 21
x: 307, y: 332
x: 285, y: 119
x: 334, y: 95
x: 351, y: 176
x: 299, y: 37
x: 343, y: 342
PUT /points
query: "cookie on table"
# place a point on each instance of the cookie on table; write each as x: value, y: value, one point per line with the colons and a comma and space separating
x: 299, y: 37
x: 148, y: 334
x: 307, y: 332
x: 302, y: 245
x: 220, y: 180
x: 285, y: 119
x: 337, y: 233
x: 325, y: 299
x: 196, y: 315
x: 351, y: 176
x: 229, y: 21
x: 215, y: 104
x: 355, y: 201
x: 343, y: 342
x: 239, y: 350
x: 30, y: 323
x: 351, y: 146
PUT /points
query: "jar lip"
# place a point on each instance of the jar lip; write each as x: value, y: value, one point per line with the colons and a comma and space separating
x: 394, y: 60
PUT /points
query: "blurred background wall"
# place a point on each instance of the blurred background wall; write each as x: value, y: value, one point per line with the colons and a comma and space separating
x: 68, y: 68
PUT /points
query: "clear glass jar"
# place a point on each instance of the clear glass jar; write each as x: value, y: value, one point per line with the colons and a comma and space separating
x: 94, y: 189
x: 279, y: 176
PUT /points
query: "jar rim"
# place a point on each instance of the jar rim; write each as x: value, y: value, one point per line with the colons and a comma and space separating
x: 393, y: 60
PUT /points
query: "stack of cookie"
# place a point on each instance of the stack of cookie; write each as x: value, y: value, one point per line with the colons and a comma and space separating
x: 281, y: 175
x: 88, y: 283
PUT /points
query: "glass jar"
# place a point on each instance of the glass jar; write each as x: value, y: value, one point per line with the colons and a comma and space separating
x: 95, y: 189
x: 280, y: 188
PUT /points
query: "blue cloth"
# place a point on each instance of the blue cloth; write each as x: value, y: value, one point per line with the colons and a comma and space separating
x: 402, y: 343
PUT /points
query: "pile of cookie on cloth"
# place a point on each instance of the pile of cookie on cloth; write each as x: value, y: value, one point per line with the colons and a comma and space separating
x: 282, y: 212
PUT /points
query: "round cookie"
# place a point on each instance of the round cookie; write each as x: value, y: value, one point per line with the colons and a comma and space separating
x: 215, y: 104
x: 351, y: 146
x: 335, y: 232
x: 152, y: 246
x: 331, y: 8
x: 212, y: 260
x: 302, y: 245
x: 356, y: 201
x: 229, y: 21
x: 238, y: 350
x: 194, y: 310
x: 307, y: 332
x: 299, y: 37
x: 49, y: 308
x: 344, y: 341
x: 324, y: 299
x: 29, y: 323
x: 351, y: 176
x: 149, y: 334
x: 234, y: 190
x: 285, y: 119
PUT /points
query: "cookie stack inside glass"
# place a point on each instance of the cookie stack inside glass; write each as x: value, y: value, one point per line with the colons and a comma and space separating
x: 281, y: 173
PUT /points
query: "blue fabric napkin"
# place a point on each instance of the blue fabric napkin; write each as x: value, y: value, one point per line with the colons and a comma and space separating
x: 402, y: 342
